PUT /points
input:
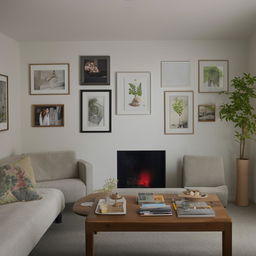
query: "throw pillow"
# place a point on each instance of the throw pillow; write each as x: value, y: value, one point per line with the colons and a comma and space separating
x: 25, y: 165
x: 15, y: 185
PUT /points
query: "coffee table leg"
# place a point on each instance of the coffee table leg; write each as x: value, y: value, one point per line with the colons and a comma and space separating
x: 227, y: 240
x: 89, y: 244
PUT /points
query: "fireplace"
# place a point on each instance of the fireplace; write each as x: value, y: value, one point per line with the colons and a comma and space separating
x: 141, y: 169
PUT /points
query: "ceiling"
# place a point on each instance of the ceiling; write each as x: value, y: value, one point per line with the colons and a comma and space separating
x: 78, y: 20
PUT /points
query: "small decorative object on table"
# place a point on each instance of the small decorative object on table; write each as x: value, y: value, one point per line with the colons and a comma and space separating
x: 111, y: 207
x: 193, y: 194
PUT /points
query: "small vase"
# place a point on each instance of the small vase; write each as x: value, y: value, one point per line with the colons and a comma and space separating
x: 136, y: 101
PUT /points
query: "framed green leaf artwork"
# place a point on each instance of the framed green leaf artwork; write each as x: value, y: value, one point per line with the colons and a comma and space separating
x: 133, y: 93
x: 213, y: 76
x: 179, y: 112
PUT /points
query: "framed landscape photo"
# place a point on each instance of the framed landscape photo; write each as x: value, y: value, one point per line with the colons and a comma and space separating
x: 213, y: 76
x: 49, y: 79
x: 50, y: 115
x: 133, y: 93
x: 4, y: 103
x: 94, y: 70
x: 175, y: 74
x: 206, y: 113
x: 179, y: 112
x: 95, y: 111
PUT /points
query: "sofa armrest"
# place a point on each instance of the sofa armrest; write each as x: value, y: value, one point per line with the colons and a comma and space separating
x: 86, y: 175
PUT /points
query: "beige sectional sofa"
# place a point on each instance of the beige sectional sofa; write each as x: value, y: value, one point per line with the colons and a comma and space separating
x: 60, y: 179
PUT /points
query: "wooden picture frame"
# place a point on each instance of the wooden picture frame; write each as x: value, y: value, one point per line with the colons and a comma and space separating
x: 179, y: 112
x: 94, y: 70
x: 206, y: 113
x: 4, y: 103
x: 95, y: 111
x: 49, y: 79
x: 213, y: 76
x: 48, y: 115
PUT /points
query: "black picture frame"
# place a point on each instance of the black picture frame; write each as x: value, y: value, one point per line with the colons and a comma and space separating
x: 94, y: 70
x: 100, y: 119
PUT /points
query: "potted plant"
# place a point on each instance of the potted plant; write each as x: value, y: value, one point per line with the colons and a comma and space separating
x: 178, y: 107
x: 136, y: 91
x: 240, y: 111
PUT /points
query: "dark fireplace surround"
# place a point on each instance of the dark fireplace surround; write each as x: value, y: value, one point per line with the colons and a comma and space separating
x: 141, y: 169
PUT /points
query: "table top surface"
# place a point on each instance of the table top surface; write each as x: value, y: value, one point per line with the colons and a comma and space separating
x: 133, y: 217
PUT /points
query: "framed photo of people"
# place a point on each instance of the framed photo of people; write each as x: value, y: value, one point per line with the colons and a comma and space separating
x: 95, y: 111
x: 48, y: 115
x: 49, y: 79
x: 4, y: 103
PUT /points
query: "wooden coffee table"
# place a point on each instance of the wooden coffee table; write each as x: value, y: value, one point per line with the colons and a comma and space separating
x: 132, y: 221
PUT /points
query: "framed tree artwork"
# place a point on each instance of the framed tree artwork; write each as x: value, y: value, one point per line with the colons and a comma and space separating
x: 49, y: 79
x: 179, y: 112
x: 94, y: 70
x: 213, y: 76
x: 133, y: 93
x: 95, y: 111
x: 48, y: 115
x: 4, y: 103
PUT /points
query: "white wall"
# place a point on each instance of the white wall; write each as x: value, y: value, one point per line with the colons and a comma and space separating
x: 131, y: 132
x: 252, y: 69
x: 9, y: 65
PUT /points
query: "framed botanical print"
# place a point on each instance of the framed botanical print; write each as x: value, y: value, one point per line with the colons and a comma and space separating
x: 175, y: 74
x: 4, y: 103
x: 206, y: 113
x: 49, y: 79
x: 133, y: 93
x: 179, y: 112
x: 94, y: 70
x: 213, y: 76
x: 95, y: 111
x: 48, y: 115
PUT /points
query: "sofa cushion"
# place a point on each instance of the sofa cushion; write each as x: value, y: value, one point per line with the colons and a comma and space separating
x: 54, y: 165
x: 73, y: 189
x: 15, y: 185
x: 24, y: 223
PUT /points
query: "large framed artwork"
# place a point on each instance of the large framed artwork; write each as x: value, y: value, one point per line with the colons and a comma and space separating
x: 94, y: 70
x: 179, y: 112
x: 206, y: 113
x: 4, y: 112
x: 175, y: 74
x: 213, y: 76
x: 95, y: 111
x: 50, y: 115
x: 133, y: 93
x: 47, y: 79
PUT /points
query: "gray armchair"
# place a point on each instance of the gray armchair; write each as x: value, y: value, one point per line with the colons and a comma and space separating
x: 205, y: 173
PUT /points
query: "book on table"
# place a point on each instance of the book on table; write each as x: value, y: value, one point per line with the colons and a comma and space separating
x: 155, y: 209
x: 190, y: 209
x: 150, y: 198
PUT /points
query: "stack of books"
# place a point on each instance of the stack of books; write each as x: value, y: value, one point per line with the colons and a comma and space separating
x: 160, y: 209
x: 193, y: 210
x: 149, y: 198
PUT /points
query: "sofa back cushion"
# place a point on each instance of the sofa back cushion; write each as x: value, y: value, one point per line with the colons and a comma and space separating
x: 54, y: 165
x: 203, y: 171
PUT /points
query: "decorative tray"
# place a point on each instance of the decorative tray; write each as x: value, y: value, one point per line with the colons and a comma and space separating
x: 193, y: 194
x: 113, y: 207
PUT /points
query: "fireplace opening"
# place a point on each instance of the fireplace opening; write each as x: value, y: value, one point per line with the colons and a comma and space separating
x: 141, y: 169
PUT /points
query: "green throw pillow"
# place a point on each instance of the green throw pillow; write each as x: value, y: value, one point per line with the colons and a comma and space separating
x: 15, y: 185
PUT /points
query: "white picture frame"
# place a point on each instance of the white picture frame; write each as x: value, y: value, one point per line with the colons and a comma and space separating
x: 133, y: 93
x: 95, y: 111
x: 49, y: 79
x: 213, y: 76
x: 179, y: 112
x: 175, y: 74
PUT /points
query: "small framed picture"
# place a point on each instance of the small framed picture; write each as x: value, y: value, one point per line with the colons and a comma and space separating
x: 94, y: 70
x: 175, y: 74
x: 49, y: 79
x: 179, y: 112
x: 213, y: 76
x: 50, y: 115
x: 133, y: 93
x: 95, y: 111
x: 206, y: 113
x: 4, y: 103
